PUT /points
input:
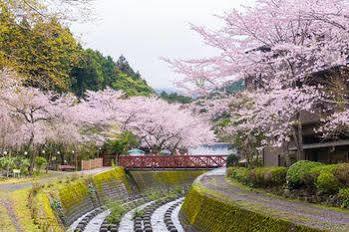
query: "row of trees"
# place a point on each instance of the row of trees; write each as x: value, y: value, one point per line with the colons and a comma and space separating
x: 292, y: 56
x: 32, y: 118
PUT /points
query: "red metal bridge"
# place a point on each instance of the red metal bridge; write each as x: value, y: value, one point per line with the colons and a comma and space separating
x: 175, y: 162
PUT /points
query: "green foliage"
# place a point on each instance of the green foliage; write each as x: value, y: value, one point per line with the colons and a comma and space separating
x: 43, y: 51
x: 123, y: 65
x: 175, y: 98
x: 154, y: 194
x: 341, y: 171
x: 42, y: 212
x: 327, y: 183
x: 8, y: 163
x: 310, y: 177
x: 260, y: 177
x: 122, y: 143
x: 236, y: 86
x: 131, y: 86
x: 46, y: 53
x: 116, y: 211
x: 229, y: 171
x: 138, y: 213
x: 344, y: 197
x: 95, y: 72
x: 40, y: 163
x: 268, y: 176
x: 247, y: 144
x: 297, y: 171
x: 241, y: 174
x: 232, y: 160
x: 72, y: 193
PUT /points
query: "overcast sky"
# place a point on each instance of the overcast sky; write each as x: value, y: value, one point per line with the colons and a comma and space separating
x: 144, y: 30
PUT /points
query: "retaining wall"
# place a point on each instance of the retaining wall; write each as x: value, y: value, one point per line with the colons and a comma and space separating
x: 163, y: 179
x: 66, y: 202
x: 203, y: 211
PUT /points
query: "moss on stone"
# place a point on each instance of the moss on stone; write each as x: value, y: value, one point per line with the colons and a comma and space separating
x: 73, y: 193
x: 117, y: 174
x: 206, y: 212
x: 145, y: 179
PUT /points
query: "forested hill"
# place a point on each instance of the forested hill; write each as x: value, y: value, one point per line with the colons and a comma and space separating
x: 96, y: 71
x: 49, y: 57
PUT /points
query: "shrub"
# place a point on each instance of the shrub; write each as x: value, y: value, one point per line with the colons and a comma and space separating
x: 232, y: 160
x: 343, y: 196
x: 116, y: 211
x: 229, y: 171
x: 297, y: 171
x: 241, y: 174
x: 268, y: 176
x: 40, y: 163
x: 310, y: 177
x: 278, y: 175
x: 327, y: 183
x: 341, y: 171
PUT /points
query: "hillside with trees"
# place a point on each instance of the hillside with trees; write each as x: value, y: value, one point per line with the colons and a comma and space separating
x: 45, y: 52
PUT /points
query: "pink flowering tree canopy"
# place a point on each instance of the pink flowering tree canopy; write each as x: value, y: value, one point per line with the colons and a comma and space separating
x: 156, y: 123
x: 278, y: 48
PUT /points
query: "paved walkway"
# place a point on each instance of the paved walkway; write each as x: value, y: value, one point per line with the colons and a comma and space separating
x: 11, y: 187
x: 298, y: 212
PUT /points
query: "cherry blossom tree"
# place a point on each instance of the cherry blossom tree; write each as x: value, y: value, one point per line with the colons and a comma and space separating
x: 278, y: 47
x: 33, y: 117
x: 155, y: 122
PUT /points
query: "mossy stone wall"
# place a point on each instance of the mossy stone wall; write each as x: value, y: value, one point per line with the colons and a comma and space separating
x: 206, y: 213
x: 148, y: 179
x: 112, y: 185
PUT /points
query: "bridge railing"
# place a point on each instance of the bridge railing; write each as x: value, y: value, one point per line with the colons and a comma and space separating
x: 187, y: 161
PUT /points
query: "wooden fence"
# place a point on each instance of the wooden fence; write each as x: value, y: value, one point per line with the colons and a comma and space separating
x: 91, y: 164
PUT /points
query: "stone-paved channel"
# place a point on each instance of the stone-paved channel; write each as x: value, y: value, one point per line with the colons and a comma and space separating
x: 157, y: 219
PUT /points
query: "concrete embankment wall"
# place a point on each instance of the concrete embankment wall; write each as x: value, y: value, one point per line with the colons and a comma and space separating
x: 206, y: 211
x: 63, y: 203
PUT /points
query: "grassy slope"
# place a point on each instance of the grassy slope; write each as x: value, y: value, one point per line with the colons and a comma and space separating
x: 20, y: 199
x: 5, y: 220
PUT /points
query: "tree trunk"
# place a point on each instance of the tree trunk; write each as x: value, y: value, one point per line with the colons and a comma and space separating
x: 32, y: 158
x: 298, y: 138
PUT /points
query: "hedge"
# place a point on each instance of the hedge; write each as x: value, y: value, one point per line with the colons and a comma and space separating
x: 327, y: 183
x: 296, y: 173
x: 259, y: 177
x: 204, y: 212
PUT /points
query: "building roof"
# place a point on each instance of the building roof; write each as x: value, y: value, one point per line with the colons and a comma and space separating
x: 321, y: 145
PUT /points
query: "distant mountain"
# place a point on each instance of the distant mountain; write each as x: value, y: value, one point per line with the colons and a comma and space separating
x: 168, y: 90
